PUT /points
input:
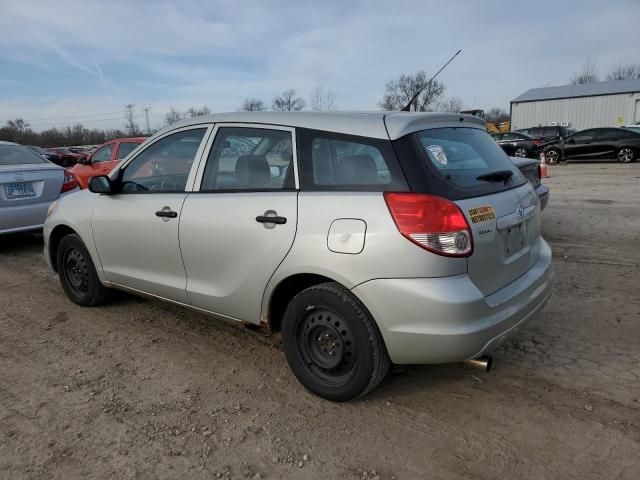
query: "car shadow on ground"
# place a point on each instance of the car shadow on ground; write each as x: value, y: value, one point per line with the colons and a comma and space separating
x: 21, y: 242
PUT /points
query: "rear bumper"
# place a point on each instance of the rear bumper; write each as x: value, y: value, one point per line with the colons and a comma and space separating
x: 442, y: 320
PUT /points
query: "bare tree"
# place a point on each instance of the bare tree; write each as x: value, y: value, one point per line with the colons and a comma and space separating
x: 496, y: 115
x: 252, y: 104
x: 588, y: 74
x: 130, y: 124
x: 19, y: 125
x: 322, y: 100
x: 288, y: 102
x: 172, y: 116
x: 630, y: 71
x: 197, y: 112
x: 399, y: 92
x: 451, y: 104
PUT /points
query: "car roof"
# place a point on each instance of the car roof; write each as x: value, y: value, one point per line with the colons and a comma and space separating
x: 2, y: 142
x: 385, y: 125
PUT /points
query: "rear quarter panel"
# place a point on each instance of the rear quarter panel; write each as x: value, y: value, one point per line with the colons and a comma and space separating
x: 386, y: 253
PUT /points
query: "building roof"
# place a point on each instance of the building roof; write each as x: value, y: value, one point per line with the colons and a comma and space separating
x: 367, y: 124
x: 610, y: 87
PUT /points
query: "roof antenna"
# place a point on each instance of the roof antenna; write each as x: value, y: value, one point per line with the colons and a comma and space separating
x: 407, y: 107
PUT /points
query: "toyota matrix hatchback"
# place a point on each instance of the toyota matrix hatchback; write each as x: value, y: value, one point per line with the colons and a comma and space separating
x: 363, y: 239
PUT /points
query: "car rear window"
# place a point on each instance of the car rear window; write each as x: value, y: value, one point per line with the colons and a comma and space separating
x: 19, y: 155
x: 450, y: 162
x: 332, y: 161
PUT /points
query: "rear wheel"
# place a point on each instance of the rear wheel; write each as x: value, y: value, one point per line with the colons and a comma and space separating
x: 553, y: 155
x: 78, y: 274
x: 626, y: 155
x: 520, y: 152
x: 332, y: 344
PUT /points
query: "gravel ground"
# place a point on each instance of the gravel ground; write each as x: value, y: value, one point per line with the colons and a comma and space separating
x: 143, y: 389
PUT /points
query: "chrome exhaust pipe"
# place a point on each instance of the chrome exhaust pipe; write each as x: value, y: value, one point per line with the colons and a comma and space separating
x: 484, y: 362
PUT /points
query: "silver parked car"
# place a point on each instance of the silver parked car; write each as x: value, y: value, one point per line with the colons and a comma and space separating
x: 28, y: 185
x: 364, y: 239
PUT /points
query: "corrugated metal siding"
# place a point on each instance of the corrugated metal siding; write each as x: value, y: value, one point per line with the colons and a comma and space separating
x: 581, y: 113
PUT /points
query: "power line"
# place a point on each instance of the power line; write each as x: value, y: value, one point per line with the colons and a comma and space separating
x: 71, y: 116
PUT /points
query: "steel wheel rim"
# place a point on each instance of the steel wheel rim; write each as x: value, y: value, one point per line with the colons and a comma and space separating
x: 325, y: 346
x: 76, y: 271
x: 625, y: 155
x: 520, y: 152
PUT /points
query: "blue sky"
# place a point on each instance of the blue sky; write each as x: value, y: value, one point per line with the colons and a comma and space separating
x: 66, y: 61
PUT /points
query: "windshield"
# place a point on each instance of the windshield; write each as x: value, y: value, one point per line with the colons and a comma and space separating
x: 18, y: 155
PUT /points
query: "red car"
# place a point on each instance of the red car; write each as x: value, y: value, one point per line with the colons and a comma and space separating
x: 104, y: 159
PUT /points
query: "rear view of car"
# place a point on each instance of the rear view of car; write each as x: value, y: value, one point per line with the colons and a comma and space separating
x: 364, y: 239
x: 28, y: 185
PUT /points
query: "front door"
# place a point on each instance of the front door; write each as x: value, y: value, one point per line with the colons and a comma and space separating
x: 136, y: 229
x: 239, y: 224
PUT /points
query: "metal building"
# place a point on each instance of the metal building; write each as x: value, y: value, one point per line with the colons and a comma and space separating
x: 600, y: 104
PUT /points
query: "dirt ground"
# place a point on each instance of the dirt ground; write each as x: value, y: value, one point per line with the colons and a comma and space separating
x: 143, y: 389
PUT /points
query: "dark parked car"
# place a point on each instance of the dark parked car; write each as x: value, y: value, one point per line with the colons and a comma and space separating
x: 518, y: 144
x: 67, y: 157
x: 48, y: 154
x: 547, y: 133
x: 531, y: 171
x: 621, y: 144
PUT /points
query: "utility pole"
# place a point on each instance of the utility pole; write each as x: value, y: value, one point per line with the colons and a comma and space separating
x: 129, y: 116
x: 146, y: 117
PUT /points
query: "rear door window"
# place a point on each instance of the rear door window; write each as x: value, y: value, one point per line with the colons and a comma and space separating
x: 332, y: 161
x: 249, y: 159
x: 456, y: 163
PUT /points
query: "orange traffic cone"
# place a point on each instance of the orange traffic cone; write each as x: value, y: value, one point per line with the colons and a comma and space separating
x: 544, y: 168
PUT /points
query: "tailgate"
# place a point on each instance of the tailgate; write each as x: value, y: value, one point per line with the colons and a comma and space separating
x: 505, y: 228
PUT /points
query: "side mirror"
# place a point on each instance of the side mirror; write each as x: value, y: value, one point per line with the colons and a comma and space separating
x: 85, y: 161
x: 101, y: 184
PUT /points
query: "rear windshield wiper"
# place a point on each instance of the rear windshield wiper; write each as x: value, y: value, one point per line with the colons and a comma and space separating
x: 497, y: 176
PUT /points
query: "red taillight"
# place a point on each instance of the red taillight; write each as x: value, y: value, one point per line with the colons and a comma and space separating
x: 434, y: 223
x: 536, y: 142
x: 70, y: 182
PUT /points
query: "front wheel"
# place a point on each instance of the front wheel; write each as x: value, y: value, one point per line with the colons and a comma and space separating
x: 332, y: 344
x: 626, y: 155
x: 520, y: 152
x: 78, y: 274
x: 553, y: 155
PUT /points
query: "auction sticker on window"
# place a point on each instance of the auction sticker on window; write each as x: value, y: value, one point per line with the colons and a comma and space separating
x: 482, y: 214
x: 438, y: 153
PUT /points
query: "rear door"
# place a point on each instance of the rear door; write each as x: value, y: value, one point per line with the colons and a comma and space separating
x: 240, y: 222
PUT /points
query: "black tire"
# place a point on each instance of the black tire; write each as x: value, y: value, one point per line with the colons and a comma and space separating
x: 332, y: 344
x: 78, y: 273
x: 626, y: 155
x: 521, y: 152
x: 553, y: 155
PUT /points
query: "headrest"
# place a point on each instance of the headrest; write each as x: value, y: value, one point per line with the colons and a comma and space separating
x: 252, y: 171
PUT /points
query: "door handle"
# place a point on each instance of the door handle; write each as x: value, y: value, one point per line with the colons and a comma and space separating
x: 166, y: 214
x: 271, y: 219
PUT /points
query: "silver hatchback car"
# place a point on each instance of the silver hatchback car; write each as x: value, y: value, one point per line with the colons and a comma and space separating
x: 364, y: 239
